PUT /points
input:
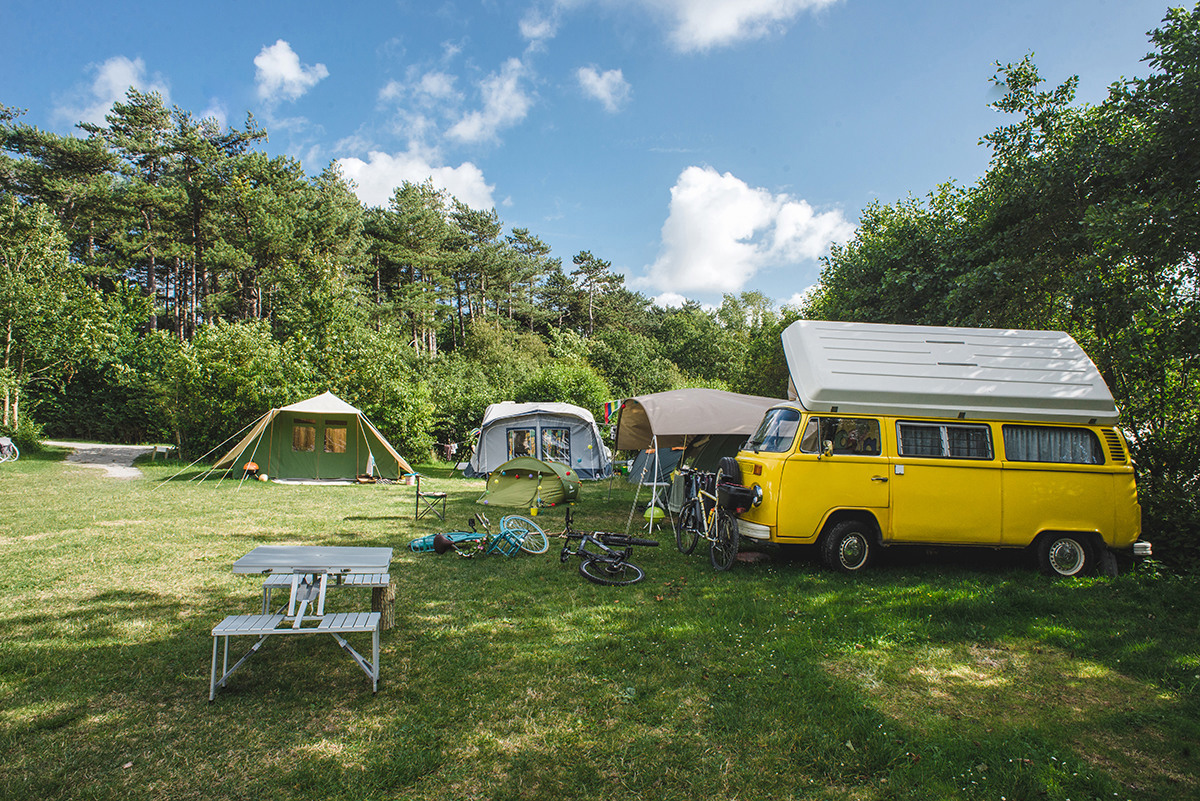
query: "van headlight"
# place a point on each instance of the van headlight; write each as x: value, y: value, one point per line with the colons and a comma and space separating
x: 756, y: 495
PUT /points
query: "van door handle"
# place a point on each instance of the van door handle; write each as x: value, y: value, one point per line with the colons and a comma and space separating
x: 880, y: 479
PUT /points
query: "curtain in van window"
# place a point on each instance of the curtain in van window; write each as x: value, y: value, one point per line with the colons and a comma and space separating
x: 1045, y: 444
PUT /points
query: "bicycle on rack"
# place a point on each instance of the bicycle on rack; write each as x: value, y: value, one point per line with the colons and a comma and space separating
x: 516, y: 534
x: 8, y: 450
x: 606, y: 564
x: 704, y: 514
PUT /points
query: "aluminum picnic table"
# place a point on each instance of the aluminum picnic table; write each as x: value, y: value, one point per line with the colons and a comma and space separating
x: 309, y: 568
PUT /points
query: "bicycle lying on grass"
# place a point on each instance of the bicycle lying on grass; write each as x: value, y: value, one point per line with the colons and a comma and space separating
x: 516, y: 534
x: 8, y: 450
x: 606, y: 565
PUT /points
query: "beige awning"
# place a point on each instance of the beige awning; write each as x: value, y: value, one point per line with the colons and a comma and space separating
x: 677, y: 417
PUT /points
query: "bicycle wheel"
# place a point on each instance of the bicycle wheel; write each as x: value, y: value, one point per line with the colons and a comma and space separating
x: 615, y: 572
x: 533, y: 539
x: 688, y: 525
x: 725, y: 547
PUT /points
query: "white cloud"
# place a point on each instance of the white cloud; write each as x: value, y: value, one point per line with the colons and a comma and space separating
x: 537, y: 26
x: 505, y: 103
x: 797, y: 300
x: 114, y: 78
x: 669, y: 300
x: 378, y: 178
x: 720, y: 232
x: 609, y: 87
x: 694, y: 24
x: 280, y: 75
x: 702, y: 24
x: 216, y: 111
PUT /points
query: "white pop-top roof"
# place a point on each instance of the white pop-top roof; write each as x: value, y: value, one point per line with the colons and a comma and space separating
x: 931, y: 371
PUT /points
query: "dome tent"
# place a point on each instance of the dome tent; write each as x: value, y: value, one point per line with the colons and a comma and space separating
x: 319, y: 439
x: 529, y: 482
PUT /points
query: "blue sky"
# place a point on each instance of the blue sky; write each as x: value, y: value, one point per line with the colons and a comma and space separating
x: 701, y: 146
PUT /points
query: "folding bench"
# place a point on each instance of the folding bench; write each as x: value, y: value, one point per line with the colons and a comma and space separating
x: 264, y: 626
x: 283, y: 581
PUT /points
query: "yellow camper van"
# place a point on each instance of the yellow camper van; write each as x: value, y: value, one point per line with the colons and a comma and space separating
x: 942, y: 436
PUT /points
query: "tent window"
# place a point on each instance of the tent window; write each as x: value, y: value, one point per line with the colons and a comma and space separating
x: 556, y: 445
x: 335, y: 436
x: 304, y: 435
x: 520, y: 442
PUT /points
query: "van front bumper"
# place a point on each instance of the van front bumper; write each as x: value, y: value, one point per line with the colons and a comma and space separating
x: 1141, y: 548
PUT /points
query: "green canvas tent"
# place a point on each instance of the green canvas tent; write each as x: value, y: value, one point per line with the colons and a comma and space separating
x: 319, y: 439
x: 529, y: 482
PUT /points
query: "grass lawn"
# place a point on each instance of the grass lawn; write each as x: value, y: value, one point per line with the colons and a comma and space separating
x: 952, y: 676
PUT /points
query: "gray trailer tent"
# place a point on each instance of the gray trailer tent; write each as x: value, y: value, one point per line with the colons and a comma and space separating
x: 551, y: 432
x: 705, y: 423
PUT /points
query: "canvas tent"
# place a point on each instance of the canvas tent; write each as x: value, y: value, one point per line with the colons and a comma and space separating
x: 551, y: 432
x: 319, y: 439
x: 529, y: 482
x: 705, y: 423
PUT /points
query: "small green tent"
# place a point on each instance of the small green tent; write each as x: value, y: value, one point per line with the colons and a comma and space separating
x: 319, y: 439
x: 529, y: 482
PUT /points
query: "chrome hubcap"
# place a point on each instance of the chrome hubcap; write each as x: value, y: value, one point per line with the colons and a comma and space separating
x: 1066, y: 557
x: 853, y: 551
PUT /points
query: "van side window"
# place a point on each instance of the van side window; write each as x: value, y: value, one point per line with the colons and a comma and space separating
x: 849, y: 435
x: 946, y: 440
x: 1052, y: 444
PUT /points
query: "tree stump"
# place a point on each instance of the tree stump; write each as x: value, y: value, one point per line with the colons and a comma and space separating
x: 383, y: 601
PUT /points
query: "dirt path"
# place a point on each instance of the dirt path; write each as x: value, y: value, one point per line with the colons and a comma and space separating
x: 115, y: 460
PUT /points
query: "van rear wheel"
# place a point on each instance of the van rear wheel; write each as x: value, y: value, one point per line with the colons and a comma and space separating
x: 1065, y: 555
x: 849, y: 547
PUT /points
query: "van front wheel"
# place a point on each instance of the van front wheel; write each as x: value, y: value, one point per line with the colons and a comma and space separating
x: 1064, y: 555
x: 849, y: 547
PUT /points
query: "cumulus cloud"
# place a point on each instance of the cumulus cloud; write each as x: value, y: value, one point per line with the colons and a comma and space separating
x: 703, y: 24
x: 505, y: 103
x: 720, y: 232
x: 280, y: 75
x: 538, y: 25
x: 113, y: 79
x: 377, y: 178
x: 694, y: 24
x: 609, y: 87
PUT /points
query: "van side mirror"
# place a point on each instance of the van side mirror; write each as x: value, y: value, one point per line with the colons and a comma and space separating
x: 828, y: 448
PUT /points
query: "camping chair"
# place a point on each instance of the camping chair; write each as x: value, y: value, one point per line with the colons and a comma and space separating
x: 430, y: 502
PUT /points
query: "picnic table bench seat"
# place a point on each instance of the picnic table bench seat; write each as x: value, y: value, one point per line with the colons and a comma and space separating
x: 283, y: 581
x: 266, y: 625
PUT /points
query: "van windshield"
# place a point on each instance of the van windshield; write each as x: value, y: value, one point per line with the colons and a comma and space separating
x: 776, y: 432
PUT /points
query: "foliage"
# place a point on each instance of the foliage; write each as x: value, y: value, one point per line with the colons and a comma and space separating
x: 565, y: 382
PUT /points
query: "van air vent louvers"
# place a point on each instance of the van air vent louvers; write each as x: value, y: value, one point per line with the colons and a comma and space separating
x: 1115, y: 448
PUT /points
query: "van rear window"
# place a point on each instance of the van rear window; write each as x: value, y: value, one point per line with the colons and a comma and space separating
x: 944, y: 440
x: 1052, y: 444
